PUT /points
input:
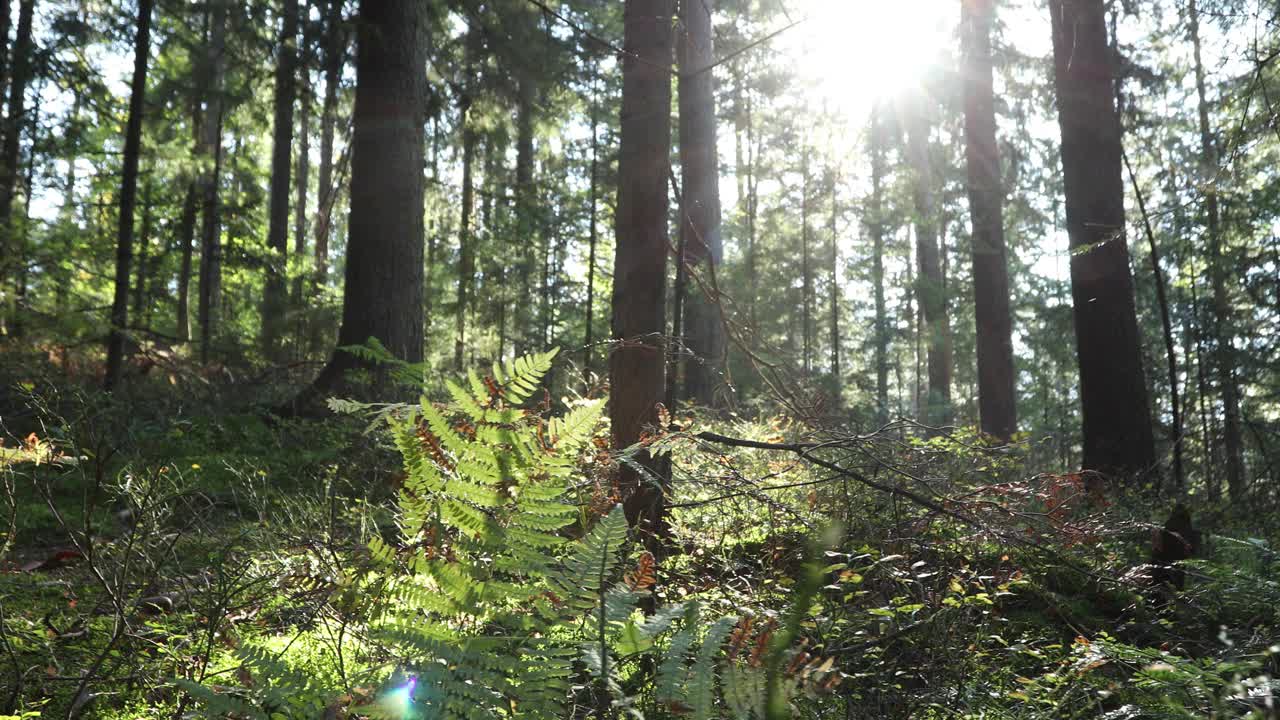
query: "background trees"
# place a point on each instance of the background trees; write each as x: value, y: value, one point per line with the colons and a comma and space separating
x: 861, y: 233
x: 858, y: 241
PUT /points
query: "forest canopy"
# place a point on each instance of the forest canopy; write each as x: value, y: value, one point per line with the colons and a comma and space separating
x: 649, y: 359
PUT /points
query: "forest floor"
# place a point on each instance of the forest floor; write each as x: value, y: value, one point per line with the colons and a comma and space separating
x: 159, y: 534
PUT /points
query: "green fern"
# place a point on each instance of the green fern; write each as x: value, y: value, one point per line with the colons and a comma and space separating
x: 480, y: 611
x: 485, y: 600
x: 375, y: 353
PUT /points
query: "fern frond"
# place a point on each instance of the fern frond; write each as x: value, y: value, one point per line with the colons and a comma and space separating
x: 702, y: 677
x: 465, y: 401
x: 661, y: 620
x: 672, y: 670
x: 571, y: 432
x: 219, y: 704
x: 593, y: 558
x: 524, y: 373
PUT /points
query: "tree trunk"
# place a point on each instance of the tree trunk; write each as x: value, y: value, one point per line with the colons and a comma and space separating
x: 677, y: 334
x: 559, y: 247
x: 1166, y: 324
x: 997, y: 376
x: 10, y: 155
x: 302, y: 181
x: 753, y: 204
x: 334, y: 53
x: 1113, y: 393
x: 588, y: 352
x: 4, y: 45
x: 128, y: 196
x: 525, y: 192
x: 274, y: 290
x: 466, y: 249
x: 834, y: 290
x: 494, y: 184
x: 544, y: 284
x: 1190, y: 341
x: 67, y: 214
x: 1223, y: 360
x: 636, y: 367
x: 501, y: 296
x: 210, y: 230
x: 141, y: 299
x: 739, y: 136
x: 23, y: 236
x: 806, y: 273
x: 919, y: 398
x: 930, y: 289
x: 875, y: 219
x: 1208, y: 426
x: 383, y: 295
x: 186, y: 239
x: 700, y: 202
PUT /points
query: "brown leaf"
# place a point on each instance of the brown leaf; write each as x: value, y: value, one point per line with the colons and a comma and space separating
x: 644, y: 576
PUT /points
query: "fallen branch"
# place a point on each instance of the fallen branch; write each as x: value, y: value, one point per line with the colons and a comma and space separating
x: 805, y: 450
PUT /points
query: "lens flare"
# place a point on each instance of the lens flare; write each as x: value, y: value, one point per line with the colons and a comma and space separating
x: 400, y: 700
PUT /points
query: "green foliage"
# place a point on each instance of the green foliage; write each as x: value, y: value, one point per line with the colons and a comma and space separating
x: 490, y: 605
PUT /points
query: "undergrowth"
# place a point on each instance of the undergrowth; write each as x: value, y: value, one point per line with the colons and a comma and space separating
x: 462, y: 556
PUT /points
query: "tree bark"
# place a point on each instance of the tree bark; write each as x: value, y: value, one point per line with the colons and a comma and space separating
x: 559, y: 249
x: 303, y: 179
x: 700, y: 202
x: 997, y: 376
x: 880, y: 339
x: 383, y: 295
x: 32, y: 129
x: 10, y: 155
x: 544, y: 285
x: 186, y: 240
x: 752, y: 205
x: 210, y: 230
x: 593, y: 233
x: 930, y: 288
x: 636, y: 367
x: 806, y: 270
x: 1223, y: 342
x: 334, y: 54
x: 834, y: 292
x: 5, y: 22
x: 915, y: 311
x: 274, y: 288
x: 1113, y: 392
x: 128, y: 197
x: 526, y: 209
x: 67, y: 214
x: 675, y: 356
x: 466, y: 249
x: 1166, y: 324
x: 141, y: 299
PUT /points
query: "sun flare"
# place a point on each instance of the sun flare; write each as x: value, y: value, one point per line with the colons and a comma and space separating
x: 854, y: 52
